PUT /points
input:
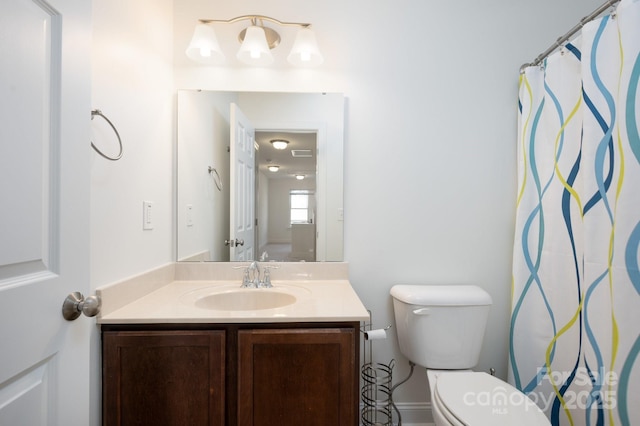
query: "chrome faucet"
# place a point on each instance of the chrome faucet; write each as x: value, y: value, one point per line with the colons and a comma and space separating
x: 251, y: 278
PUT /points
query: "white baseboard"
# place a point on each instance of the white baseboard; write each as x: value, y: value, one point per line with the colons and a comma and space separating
x: 414, y: 414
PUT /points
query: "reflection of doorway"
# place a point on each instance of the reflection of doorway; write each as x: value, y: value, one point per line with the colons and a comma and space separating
x: 242, y: 192
x: 296, y: 171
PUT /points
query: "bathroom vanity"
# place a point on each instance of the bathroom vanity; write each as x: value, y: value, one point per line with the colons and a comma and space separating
x: 174, y: 355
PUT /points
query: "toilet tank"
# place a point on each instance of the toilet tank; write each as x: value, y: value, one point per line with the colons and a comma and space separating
x: 441, y: 326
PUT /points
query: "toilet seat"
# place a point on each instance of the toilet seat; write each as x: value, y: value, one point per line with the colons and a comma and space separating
x: 442, y: 413
x: 472, y: 398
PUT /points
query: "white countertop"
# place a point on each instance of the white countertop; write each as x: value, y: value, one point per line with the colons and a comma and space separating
x: 180, y: 301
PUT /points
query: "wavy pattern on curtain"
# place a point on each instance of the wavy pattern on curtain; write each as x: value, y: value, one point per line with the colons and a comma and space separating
x: 575, y: 323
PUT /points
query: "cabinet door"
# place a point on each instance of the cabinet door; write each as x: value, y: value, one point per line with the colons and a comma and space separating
x: 163, y: 378
x: 297, y: 377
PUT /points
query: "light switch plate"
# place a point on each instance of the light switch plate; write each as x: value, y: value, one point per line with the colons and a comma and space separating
x: 189, y: 214
x: 147, y: 215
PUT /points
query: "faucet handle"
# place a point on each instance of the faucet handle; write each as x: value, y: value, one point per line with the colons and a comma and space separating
x: 266, y: 282
x: 246, y: 280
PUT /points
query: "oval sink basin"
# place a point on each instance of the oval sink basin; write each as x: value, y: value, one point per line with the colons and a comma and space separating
x: 245, y: 300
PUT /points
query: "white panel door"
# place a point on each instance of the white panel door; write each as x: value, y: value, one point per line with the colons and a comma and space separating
x: 242, y: 215
x: 44, y: 210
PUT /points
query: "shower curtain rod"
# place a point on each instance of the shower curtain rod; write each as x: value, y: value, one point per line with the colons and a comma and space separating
x: 560, y: 41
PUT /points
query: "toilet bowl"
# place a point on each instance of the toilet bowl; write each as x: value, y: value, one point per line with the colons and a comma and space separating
x: 476, y: 398
x: 441, y: 328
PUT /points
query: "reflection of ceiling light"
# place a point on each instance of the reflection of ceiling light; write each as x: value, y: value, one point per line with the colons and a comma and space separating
x: 257, y: 41
x: 280, y: 143
x: 273, y: 168
x: 299, y: 177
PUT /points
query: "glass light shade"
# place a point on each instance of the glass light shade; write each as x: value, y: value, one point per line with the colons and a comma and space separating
x: 300, y: 177
x: 254, y: 49
x: 305, y: 50
x: 279, y: 144
x: 273, y: 168
x: 204, y: 47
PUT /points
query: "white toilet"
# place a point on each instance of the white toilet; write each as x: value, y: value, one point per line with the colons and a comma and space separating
x: 441, y: 328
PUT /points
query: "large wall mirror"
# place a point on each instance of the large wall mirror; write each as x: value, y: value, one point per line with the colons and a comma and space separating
x: 233, y: 204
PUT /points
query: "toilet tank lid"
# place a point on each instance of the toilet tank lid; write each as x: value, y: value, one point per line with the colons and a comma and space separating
x: 441, y: 295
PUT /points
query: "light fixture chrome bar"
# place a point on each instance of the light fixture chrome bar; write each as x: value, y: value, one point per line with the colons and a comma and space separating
x: 256, y: 42
x: 253, y: 18
x: 561, y: 40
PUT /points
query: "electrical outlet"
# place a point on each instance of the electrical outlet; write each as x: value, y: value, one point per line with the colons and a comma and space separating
x: 147, y: 215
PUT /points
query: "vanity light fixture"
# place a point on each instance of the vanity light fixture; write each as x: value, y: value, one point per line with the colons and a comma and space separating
x: 273, y: 168
x: 257, y: 41
x: 279, y: 143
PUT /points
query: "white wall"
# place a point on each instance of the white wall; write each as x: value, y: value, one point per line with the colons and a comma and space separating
x: 203, y: 139
x: 132, y: 84
x: 431, y: 93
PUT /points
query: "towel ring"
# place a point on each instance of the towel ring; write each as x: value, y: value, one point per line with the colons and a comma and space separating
x: 98, y: 112
x: 216, y: 177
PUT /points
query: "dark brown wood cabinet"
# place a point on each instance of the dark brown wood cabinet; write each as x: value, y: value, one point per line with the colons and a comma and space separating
x: 163, y: 377
x: 296, y: 377
x: 231, y: 374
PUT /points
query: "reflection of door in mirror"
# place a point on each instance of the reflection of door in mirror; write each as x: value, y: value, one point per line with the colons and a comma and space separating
x: 242, y: 186
x: 204, y: 179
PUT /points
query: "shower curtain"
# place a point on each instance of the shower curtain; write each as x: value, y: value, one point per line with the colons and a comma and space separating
x: 575, y: 321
